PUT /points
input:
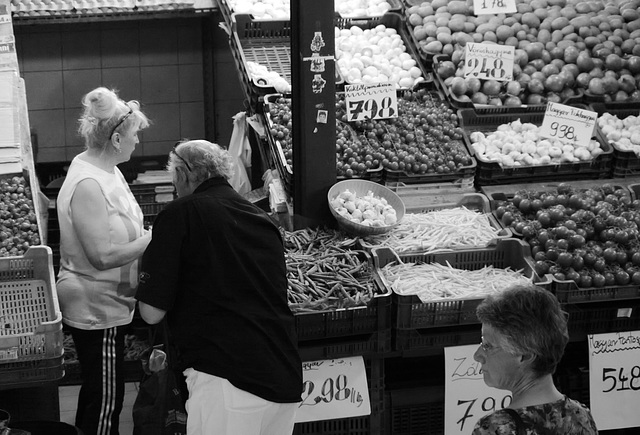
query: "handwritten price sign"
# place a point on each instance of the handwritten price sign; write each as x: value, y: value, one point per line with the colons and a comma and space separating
x: 483, y: 7
x: 334, y: 388
x: 466, y: 396
x: 568, y: 124
x: 373, y: 101
x: 489, y: 61
x: 614, y: 379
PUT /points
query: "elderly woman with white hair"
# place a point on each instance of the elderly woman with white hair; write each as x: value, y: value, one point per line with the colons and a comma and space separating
x: 216, y: 269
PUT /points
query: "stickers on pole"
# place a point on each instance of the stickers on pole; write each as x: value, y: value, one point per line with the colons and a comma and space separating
x: 466, y: 397
x: 371, y: 101
x: 614, y: 379
x: 483, y: 7
x: 489, y: 61
x: 334, y: 388
x: 568, y: 124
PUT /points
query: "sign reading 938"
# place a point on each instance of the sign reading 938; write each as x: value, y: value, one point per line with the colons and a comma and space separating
x: 467, y: 397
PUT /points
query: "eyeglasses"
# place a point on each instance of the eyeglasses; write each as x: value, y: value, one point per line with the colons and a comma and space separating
x: 174, y: 152
x: 123, y: 119
x: 487, y: 347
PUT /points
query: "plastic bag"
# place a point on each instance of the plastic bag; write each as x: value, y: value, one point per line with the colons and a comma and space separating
x: 240, y: 150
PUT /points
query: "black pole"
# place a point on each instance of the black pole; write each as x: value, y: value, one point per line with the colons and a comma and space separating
x: 313, y: 110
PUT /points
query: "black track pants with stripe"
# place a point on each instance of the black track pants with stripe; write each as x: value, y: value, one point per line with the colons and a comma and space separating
x: 101, y: 356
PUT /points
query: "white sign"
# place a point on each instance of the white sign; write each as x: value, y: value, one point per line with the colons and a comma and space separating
x: 334, y: 388
x: 614, y: 379
x: 466, y: 397
x: 372, y: 101
x: 568, y: 124
x: 489, y: 61
x: 482, y: 7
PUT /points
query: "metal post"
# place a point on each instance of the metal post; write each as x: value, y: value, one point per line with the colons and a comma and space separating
x: 313, y: 109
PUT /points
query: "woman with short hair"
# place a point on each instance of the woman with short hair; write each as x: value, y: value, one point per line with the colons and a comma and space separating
x: 524, y: 334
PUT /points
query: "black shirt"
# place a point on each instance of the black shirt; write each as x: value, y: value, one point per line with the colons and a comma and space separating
x: 216, y: 265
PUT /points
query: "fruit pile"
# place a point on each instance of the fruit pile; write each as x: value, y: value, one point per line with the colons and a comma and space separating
x: 562, y: 47
x: 18, y: 221
x: 588, y: 236
x: 424, y: 139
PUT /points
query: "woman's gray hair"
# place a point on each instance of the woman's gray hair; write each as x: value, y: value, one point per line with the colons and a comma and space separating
x: 532, y: 322
x: 105, y: 113
x: 204, y: 160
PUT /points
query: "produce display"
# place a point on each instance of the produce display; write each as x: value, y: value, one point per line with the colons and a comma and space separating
x: 375, y: 55
x: 432, y: 282
x: 18, y: 219
x: 437, y: 230
x: 561, y: 47
x: 520, y: 144
x: 323, y: 275
x: 588, y: 236
x: 368, y: 210
x: 263, y: 76
x: 624, y: 134
x: 424, y: 139
x: 280, y: 9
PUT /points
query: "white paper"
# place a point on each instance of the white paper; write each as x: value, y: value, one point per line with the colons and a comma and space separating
x: 614, y: 379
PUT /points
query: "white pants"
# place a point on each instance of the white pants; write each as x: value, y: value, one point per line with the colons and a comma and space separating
x: 216, y: 407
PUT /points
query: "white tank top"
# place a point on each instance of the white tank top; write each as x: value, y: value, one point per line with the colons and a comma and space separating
x: 91, y: 298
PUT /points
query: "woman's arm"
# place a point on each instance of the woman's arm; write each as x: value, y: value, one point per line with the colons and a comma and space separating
x: 89, y: 212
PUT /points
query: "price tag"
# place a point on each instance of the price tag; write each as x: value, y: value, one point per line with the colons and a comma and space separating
x: 568, y: 124
x: 466, y: 396
x: 489, y: 61
x: 372, y: 101
x: 614, y: 379
x: 335, y: 388
x: 483, y: 7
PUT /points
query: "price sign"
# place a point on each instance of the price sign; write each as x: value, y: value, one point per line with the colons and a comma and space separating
x: 614, y: 379
x: 489, y: 61
x: 372, y: 101
x: 483, y: 7
x: 466, y: 396
x: 568, y: 124
x: 335, y: 388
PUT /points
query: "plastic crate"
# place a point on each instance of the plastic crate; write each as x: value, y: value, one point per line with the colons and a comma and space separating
x: 432, y: 341
x: 31, y: 319
x: 412, y: 313
x: 602, y: 317
x: 391, y: 20
x: 625, y: 163
x: 368, y: 345
x: 489, y: 109
x: 491, y: 173
x: 24, y: 374
x: 424, y: 203
x: 414, y: 411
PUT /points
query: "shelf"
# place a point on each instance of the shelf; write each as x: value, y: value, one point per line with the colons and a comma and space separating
x: 69, y: 17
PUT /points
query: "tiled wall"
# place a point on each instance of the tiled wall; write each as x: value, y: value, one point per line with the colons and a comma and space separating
x: 158, y: 62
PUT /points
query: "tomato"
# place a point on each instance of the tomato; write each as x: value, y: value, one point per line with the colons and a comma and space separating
x: 598, y: 280
x: 585, y: 281
x: 562, y: 244
x: 622, y: 277
x: 577, y: 241
x: 609, y: 279
x: 589, y: 259
x: 561, y: 232
x: 564, y: 259
x: 621, y: 237
x: 539, y: 256
x: 500, y: 211
x: 545, y: 219
x: 544, y: 235
x: 528, y: 231
x: 556, y: 214
x: 621, y: 257
x: 507, y: 219
x: 609, y: 255
x: 573, y: 276
x: 600, y: 265
x: 635, y: 258
x: 524, y: 206
x: 577, y: 263
x: 552, y: 253
x: 635, y: 278
x: 541, y: 268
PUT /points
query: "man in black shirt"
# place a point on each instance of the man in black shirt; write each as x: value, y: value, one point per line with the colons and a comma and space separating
x: 216, y: 268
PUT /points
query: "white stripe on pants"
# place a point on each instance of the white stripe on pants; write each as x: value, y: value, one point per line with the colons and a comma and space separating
x: 216, y: 407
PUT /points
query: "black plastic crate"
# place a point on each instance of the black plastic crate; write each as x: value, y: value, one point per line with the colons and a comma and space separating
x: 625, y: 163
x: 415, y: 411
x: 491, y: 173
x: 367, y: 345
x: 430, y: 341
x: 412, y: 313
x: 602, y: 317
x: 456, y: 102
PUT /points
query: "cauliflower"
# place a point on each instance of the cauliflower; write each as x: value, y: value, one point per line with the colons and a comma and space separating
x: 368, y: 210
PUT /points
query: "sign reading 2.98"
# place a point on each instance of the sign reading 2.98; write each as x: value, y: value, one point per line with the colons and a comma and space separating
x: 334, y: 388
x: 372, y: 101
x: 467, y: 397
